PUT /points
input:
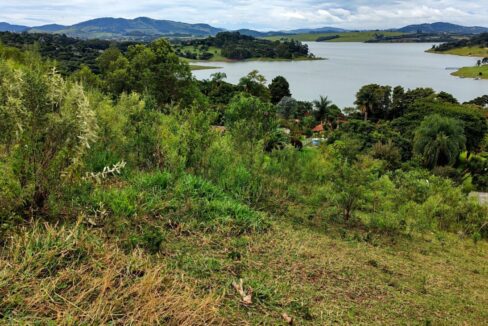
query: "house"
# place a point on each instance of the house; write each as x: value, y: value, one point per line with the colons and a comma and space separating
x: 319, y: 128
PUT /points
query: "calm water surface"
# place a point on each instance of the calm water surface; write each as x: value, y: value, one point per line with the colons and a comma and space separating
x: 352, y: 65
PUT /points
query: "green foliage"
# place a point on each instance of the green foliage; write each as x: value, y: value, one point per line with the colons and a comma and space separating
x: 387, y: 152
x: 10, y: 191
x: 69, y: 53
x: 49, y: 125
x: 279, y: 88
x: 249, y: 119
x: 374, y: 101
x: 439, y: 141
x: 235, y: 46
x: 152, y: 69
x: 255, y: 84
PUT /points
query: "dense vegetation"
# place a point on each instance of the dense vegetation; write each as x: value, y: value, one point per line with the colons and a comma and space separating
x: 132, y: 193
x: 334, y: 36
x: 480, y: 41
x: 235, y: 46
x: 69, y: 52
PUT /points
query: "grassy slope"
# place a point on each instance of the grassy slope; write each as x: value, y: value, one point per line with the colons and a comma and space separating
x: 198, y: 67
x: 468, y: 72
x: 472, y: 72
x: 466, y: 51
x: 344, y: 37
x: 93, y: 274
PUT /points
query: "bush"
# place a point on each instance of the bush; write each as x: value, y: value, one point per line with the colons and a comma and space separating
x: 48, y: 127
x: 10, y: 192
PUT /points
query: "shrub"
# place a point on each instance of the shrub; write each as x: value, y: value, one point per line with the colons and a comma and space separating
x: 48, y: 127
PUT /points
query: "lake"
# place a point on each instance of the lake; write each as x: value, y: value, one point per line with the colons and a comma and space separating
x: 352, y: 65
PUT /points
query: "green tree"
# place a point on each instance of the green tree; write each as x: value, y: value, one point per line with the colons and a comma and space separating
x: 326, y: 112
x: 279, y: 88
x: 374, y: 100
x: 250, y: 119
x: 255, y: 84
x: 439, y: 140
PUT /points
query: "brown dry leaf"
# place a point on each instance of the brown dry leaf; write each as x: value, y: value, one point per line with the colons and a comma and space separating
x: 246, y: 298
x: 287, y: 318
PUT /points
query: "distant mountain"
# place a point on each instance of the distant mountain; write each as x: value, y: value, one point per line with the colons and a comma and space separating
x: 317, y: 30
x: 52, y: 28
x: 253, y: 33
x: 139, y: 28
x: 6, y: 27
x: 443, y: 28
x: 250, y: 32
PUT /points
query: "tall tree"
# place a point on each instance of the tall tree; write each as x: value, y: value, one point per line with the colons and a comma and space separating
x: 325, y: 111
x: 279, y: 88
x: 439, y: 140
x: 374, y: 100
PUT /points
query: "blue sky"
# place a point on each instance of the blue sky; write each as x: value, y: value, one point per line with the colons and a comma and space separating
x: 256, y: 14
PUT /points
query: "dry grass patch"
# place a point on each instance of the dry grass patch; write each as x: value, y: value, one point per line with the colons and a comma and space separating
x: 70, y: 276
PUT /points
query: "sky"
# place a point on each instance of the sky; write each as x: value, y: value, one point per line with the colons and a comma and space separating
x: 255, y: 14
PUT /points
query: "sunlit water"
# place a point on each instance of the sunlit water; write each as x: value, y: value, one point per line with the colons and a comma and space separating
x: 352, y: 65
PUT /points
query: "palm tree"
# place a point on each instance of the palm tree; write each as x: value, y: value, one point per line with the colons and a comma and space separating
x: 321, y: 108
x: 439, y: 140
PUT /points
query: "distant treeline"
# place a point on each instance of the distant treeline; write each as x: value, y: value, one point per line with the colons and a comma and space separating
x: 480, y: 40
x: 413, y: 38
x: 236, y: 46
x: 70, y: 53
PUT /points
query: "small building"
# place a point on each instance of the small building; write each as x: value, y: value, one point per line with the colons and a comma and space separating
x: 319, y: 128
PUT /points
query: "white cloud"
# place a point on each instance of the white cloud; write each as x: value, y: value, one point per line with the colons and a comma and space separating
x: 258, y: 14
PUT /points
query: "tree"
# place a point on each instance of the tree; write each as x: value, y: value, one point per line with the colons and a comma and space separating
x: 398, y: 102
x: 480, y: 101
x: 321, y: 108
x: 374, y: 100
x: 255, y: 84
x: 439, y: 140
x: 250, y: 119
x: 154, y: 69
x: 287, y: 107
x: 326, y: 112
x: 279, y: 88
x: 446, y: 97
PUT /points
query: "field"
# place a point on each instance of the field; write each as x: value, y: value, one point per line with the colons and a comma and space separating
x: 466, y: 51
x: 198, y: 67
x: 183, y: 274
x: 217, y: 57
x: 472, y: 72
x: 343, y: 37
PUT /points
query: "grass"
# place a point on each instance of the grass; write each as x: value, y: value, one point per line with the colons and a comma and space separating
x: 472, y: 72
x: 465, y: 51
x: 153, y: 248
x: 343, y: 37
x: 199, y: 67
x: 217, y: 57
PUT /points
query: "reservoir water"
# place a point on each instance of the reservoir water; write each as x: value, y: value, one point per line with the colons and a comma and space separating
x: 352, y: 65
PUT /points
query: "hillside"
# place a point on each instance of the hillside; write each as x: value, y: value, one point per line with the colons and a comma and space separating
x: 132, y: 193
x: 6, y: 27
x: 141, y: 28
x: 336, y: 37
x: 442, y: 28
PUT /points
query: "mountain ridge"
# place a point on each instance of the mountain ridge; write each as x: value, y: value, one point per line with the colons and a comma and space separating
x: 145, y: 28
x: 442, y: 27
